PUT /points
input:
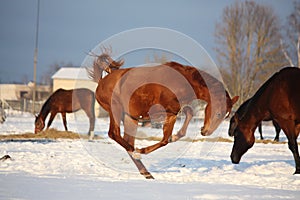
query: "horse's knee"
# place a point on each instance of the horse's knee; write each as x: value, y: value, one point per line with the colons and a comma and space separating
x: 111, y: 135
x: 293, y: 146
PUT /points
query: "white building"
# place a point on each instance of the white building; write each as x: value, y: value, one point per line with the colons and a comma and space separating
x: 75, y: 77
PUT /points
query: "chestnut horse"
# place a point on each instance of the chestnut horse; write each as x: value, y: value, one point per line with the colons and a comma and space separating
x: 240, y: 111
x: 278, y: 98
x: 133, y: 94
x: 67, y: 101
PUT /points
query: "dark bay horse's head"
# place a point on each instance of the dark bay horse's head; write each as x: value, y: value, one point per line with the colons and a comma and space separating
x: 238, y: 114
x: 39, y: 124
x: 243, y: 139
x: 215, y: 114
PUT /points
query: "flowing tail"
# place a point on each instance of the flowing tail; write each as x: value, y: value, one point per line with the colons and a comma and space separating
x: 103, y: 62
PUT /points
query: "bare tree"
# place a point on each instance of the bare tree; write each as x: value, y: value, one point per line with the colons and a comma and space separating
x: 291, y: 45
x: 46, y: 77
x: 158, y: 57
x: 248, y: 46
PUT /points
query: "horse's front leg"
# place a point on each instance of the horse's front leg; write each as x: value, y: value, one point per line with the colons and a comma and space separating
x: 64, y: 118
x: 52, y: 115
x: 290, y: 129
x: 167, y: 131
x: 188, y: 111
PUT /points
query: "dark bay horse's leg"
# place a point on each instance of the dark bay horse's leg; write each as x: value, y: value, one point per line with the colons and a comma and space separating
x: 91, y: 115
x: 293, y: 146
x: 182, y: 132
x: 52, y: 115
x: 289, y: 128
x: 64, y: 118
x: 260, y: 131
x: 167, y: 130
x: 277, y: 129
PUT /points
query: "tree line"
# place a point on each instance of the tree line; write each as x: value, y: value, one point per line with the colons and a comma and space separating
x: 251, y: 44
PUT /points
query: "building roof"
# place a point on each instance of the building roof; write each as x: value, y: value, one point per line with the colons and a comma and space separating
x: 71, y: 73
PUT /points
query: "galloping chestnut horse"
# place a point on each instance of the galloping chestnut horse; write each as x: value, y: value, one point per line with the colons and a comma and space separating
x: 240, y: 111
x: 67, y: 101
x: 133, y: 94
x: 279, y: 99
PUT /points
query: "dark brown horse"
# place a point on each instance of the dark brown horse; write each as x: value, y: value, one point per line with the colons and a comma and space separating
x: 67, y: 101
x: 133, y: 94
x: 278, y: 98
x: 240, y: 111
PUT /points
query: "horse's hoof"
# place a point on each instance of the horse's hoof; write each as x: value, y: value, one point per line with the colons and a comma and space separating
x: 5, y: 158
x: 147, y: 175
x: 297, y: 172
x: 173, y: 138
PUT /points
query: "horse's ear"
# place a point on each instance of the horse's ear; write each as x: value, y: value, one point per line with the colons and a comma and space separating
x: 234, y: 99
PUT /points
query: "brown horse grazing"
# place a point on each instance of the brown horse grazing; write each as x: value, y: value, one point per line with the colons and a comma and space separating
x: 67, y: 101
x: 240, y: 111
x: 278, y: 98
x: 133, y: 94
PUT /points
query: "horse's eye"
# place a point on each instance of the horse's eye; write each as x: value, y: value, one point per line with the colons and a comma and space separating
x: 219, y: 115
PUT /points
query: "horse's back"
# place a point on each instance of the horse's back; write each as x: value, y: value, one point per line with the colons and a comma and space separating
x: 285, y: 97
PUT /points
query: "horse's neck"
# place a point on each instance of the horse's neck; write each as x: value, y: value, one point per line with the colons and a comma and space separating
x: 45, y: 111
x: 254, y: 113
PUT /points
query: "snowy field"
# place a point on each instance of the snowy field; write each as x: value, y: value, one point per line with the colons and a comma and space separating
x: 101, y: 169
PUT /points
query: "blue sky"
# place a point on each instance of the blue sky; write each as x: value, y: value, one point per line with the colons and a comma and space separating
x: 68, y: 29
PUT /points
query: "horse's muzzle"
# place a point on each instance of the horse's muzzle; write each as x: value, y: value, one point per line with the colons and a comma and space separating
x: 235, y: 159
x: 205, y: 132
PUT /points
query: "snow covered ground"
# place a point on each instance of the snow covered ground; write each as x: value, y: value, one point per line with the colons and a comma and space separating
x: 101, y: 169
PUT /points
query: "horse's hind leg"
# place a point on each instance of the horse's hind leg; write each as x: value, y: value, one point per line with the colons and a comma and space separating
x: 64, y: 118
x: 130, y: 128
x: 260, y: 130
x: 277, y: 129
x: 182, y: 132
x: 114, y: 132
x: 91, y: 115
x: 167, y: 130
x: 142, y: 169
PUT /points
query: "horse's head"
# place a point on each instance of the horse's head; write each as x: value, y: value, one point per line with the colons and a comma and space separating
x: 39, y: 124
x: 243, y: 140
x: 216, y: 114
